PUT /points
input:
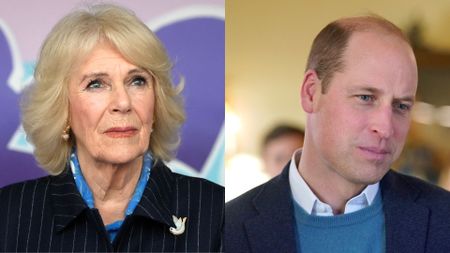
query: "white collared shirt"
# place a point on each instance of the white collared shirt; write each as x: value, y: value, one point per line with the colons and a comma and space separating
x: 305, y: 197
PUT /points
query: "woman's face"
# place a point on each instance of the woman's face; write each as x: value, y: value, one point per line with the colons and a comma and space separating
x: 111, y: 108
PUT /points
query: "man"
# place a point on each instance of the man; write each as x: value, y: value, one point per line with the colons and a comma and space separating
x: 338, y: 193
x: 278, y: 146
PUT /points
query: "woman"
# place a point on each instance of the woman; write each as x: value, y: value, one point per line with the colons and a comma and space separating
x: 103, y: 116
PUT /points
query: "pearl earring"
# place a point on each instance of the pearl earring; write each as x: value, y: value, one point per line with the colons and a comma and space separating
x: 66, y: 133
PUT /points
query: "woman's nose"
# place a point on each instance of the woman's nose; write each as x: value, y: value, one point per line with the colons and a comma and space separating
x: 120, y: 100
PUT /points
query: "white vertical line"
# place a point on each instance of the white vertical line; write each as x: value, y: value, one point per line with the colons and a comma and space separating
x: 20, y: 213
x: 42, y: 215
x: 199, y: 216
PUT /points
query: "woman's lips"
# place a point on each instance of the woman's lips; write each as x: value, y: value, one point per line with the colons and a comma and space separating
x: 121, y: 132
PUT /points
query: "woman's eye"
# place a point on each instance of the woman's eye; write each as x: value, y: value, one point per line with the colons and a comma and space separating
x: 94, y: 84
x: 139, y: 81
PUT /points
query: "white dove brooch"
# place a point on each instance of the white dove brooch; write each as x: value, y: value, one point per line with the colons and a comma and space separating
x: 179, y: 225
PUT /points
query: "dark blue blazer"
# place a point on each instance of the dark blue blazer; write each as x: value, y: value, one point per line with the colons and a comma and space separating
x: 48, y: 214
x: 417, y: 217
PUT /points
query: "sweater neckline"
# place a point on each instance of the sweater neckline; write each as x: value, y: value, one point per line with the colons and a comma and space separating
x: 348, y: 219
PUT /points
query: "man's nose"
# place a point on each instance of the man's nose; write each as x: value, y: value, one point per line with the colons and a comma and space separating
x: 382, y: 122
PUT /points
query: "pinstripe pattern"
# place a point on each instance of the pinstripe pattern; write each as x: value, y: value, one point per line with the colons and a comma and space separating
x: 49, y: 215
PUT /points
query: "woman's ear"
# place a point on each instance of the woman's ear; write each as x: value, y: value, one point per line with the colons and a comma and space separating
x: 311, y: 85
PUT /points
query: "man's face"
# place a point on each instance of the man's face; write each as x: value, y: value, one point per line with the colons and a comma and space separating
x: 358, y: 128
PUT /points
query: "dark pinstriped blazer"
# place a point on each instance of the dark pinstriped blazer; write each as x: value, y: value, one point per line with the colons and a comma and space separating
x: 48, y: 214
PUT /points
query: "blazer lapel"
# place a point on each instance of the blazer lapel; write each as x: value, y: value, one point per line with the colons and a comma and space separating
x: 273, y: 230
x: 406, y: 221
x: 157, y: 196
x: 67, y: 202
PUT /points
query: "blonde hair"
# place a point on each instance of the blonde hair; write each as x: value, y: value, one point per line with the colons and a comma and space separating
x: 45, y: 106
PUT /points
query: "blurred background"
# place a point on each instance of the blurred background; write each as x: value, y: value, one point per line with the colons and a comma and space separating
x: 193, y: 33
x: 267, y: 44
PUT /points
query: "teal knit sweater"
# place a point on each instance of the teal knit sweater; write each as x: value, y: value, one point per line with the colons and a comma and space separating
x: 360, y: 231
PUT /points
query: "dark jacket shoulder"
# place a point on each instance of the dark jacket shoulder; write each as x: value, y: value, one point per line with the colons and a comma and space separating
x: 27, y: 183
x: 404, y: 187
x: 191, y: 192
x: 12, y: 194
x: 255, y: 219
x: 183, y: 179
x: 243, y: 205
x: 414, y: 186
x: 269, y: 194
x: 416, y: 214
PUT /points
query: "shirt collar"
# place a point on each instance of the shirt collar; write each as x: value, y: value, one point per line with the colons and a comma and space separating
x: 305, y: 197
x: 155, y: 203
x: 86, y: 192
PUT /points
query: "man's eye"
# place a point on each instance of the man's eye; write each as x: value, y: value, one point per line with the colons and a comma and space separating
x: 366, y: 98
x: 139, y: 81
x: 403, y: 107
x: 94, y: 84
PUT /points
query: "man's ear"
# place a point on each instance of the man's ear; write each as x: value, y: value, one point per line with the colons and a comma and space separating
x: 311, y: 85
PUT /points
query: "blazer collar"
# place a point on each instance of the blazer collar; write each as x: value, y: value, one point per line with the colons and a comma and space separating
x: 66, y: 200
x: 155, y: 202
x: 406, y: 221
x: 275, y: 217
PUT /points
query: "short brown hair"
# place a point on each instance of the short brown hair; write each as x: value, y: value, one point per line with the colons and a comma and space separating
x: 327, y: 50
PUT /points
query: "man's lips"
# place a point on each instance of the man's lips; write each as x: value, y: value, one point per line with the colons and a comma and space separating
x: 381, y: 151
x: 375, y: 153
x: 121, y: 132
